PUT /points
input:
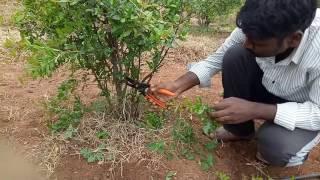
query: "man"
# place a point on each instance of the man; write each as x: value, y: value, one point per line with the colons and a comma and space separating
x: 270, y: 70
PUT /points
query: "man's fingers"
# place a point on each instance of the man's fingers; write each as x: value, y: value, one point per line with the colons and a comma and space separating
x: 220, y: 106
x: 225, y: 120
x: 218, y: 114
x: 153, y: 87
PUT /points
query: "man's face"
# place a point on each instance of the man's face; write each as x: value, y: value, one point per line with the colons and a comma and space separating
x: 266, y: 48
x: 272, y: 46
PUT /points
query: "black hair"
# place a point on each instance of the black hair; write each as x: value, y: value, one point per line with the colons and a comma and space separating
x: 263, y: 19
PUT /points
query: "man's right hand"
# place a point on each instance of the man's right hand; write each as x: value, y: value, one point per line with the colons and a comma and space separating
x: 172, y: 86
x: 178, y: 86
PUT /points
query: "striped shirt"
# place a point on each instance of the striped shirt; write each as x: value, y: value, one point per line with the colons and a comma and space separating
x: 296, y: 78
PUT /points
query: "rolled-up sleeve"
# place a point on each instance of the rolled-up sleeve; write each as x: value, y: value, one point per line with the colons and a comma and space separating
x: 212, y: 65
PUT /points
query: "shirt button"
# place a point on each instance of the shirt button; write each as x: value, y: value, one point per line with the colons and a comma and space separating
x: 273, y: 82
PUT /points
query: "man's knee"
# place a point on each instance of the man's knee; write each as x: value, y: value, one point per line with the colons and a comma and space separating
x: 235, y: 56
x: 274, y: 146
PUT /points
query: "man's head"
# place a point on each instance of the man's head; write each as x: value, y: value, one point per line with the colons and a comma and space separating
x: 274, y: 26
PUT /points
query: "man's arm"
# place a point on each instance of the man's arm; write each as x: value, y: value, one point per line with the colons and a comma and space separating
x: 183, y: 83
x: 305, y: 115
x: 213, y: 64
x: 201, y: 72
x: 187, y: 81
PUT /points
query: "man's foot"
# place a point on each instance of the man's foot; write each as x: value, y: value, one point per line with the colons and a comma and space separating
x: 223, y: 135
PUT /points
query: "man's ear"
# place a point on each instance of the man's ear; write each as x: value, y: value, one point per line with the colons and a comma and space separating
x: 295, y: 39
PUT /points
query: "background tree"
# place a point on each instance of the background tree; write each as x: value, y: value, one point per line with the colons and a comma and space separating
x: 208, y: 10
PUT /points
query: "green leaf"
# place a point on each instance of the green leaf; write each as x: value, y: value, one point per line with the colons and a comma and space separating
x: 86, y: 153
x: 69, y: 132
x: 208, y: 128
x: 188, y: 154
x: 154, y: 121
x: 222, y: 176
x: 169, y: 156
x: 99, y: 106
x: 124, y: 35
x: 9, y: 43
x: 74, y: 2
x: 207, y: 162
x: 116, y: 17
x: 93, y: 156
x: 102, y: 134
x: 157, y: 146
x: 183, y: 131
x: 170, y: 175
x: 211, y: 145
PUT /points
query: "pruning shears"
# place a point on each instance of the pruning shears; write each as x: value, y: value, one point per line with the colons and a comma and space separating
x: 143, y: 88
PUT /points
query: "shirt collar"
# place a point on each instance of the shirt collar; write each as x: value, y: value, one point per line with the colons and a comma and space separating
x: 297, y: 54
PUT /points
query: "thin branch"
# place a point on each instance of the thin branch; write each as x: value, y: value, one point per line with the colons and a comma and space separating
x: 149, y: 76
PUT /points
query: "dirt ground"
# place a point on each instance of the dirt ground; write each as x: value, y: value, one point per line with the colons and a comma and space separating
x: 23, y: 126
x: 21, y: 121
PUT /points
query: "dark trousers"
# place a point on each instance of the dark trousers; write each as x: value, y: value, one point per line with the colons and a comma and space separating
x: 242, y: 78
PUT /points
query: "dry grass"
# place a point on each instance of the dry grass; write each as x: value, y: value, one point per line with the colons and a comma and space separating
x: 8, y: 7
x: 126, y: 141
x: 195, y: 48
x: 7, y: 31
x: 47, y: 154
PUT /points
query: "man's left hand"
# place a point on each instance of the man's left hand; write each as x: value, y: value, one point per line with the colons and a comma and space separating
x: 234, y: 110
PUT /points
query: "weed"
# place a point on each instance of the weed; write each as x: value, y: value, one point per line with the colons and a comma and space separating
x: 170, y: 175
x: 59, y: 106
x: 93, y: 155
x: 222, y: 176
x: 211, y: 145
x: 102, y: 134
x: 184, y: 136
x: 69, y: 132
x: 206, y: 162
x: 68, y: 117
x: 158, y: 146
x: 183, y: 131
x: 154, y: 121
x: 256, y: 178
x: 188, y: 154
x: 13, y: 47
x: 99, y: 106
x: 201, y: 110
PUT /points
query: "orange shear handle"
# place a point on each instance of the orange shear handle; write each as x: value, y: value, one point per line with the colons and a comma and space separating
x: 155, y: 100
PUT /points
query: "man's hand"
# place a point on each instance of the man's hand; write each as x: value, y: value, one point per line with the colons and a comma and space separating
x: 235, y: 110
x: 178, y: 86
x: 171, y: 86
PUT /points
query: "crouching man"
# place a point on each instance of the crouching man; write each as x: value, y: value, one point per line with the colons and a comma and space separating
x: 270, y: 70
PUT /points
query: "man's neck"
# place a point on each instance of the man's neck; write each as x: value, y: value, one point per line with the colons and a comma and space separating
x: 283, y: 55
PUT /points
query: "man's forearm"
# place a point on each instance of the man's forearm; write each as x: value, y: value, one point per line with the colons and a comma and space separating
x: 266, y: 111
x: 187, y: 81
